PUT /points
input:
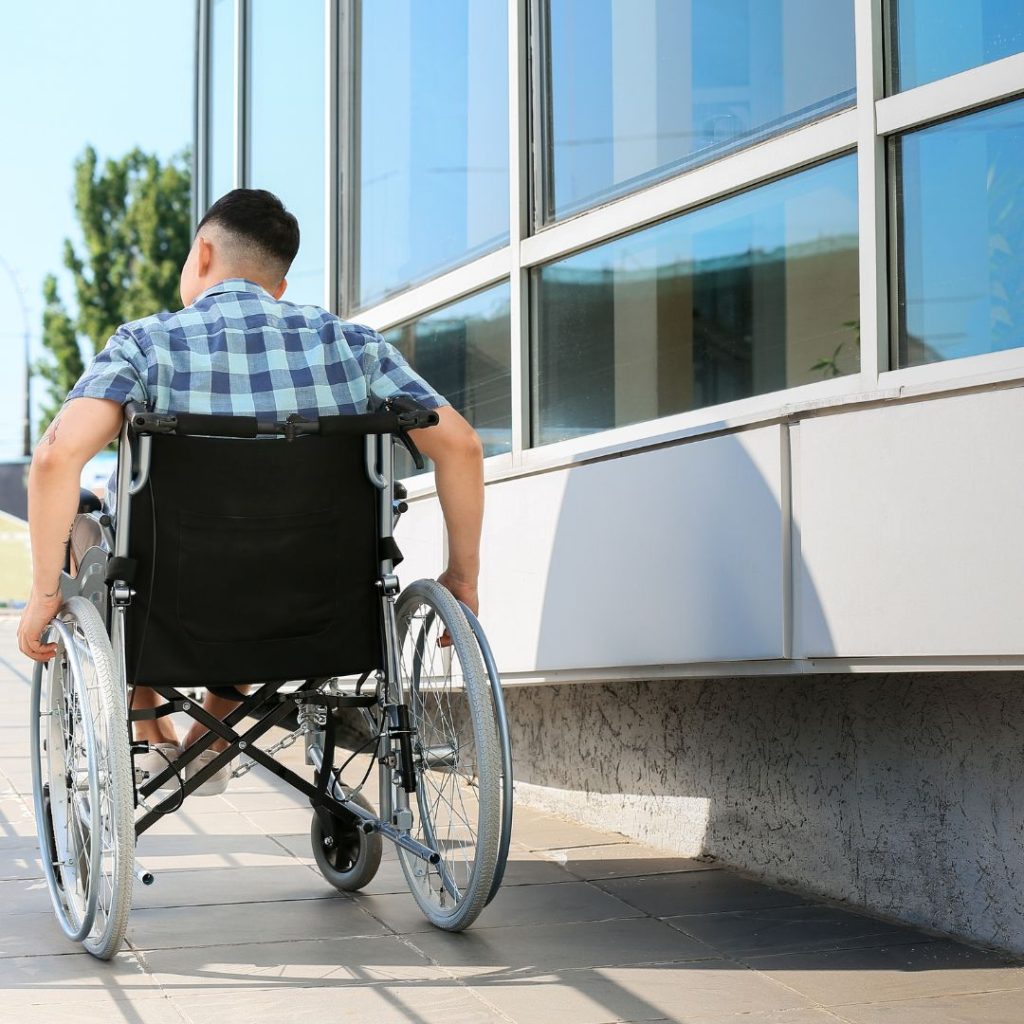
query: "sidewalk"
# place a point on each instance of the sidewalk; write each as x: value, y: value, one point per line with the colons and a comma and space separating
x: 589, y: 928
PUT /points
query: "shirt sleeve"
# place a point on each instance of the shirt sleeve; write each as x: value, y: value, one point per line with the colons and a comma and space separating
x: 391, y: 375
x: 117, y: 373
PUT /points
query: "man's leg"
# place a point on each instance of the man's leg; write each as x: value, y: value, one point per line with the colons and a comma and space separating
x: 153, y: 730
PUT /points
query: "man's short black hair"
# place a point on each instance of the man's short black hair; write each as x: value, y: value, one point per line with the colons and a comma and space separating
x: 259, y: 220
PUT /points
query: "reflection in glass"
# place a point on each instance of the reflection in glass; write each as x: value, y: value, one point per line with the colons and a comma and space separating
x: 752, y: 294
x: 433, y: 147
x: 464, y: 351
x: 936, y: 38
x: 961, y: 237
x: 286, y: 124
x: 641, y: 88
x: 222, y: 99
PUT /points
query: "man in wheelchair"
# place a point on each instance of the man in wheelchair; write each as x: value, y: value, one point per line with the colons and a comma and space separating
x: 207, y: 571
x: 237, y: 349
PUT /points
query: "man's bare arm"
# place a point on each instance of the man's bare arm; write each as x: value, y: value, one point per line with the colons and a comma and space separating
x: 83, y: 428
x: 457, y: 453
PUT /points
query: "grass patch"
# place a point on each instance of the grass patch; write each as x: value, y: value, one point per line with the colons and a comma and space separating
x: 15, y: 560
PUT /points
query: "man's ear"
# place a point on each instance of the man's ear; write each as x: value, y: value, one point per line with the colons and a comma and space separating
x: 280, y: 289
x: 204, y: 256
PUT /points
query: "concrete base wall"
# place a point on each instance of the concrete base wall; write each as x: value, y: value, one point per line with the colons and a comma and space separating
x: 900, y: 793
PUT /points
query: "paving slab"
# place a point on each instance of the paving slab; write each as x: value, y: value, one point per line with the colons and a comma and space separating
x: 284, y: 821
x: 436, y: 1002
x: 976, y: 1008
x: 553, y: 903
x: 24, y: 896
x: 35, y: 934
x: 232, y: 924
x: 184, y: 852
x: 940, y: 968
x: 130, y: 1009
x: 73, y: 978
x: 17, y: 819
x: 698, y: 892
x: 206, y: 887
x: 539, y: 831
x: 799, y: 929
x: 300, y: 963
x: 512, y: 952
x: 20, y: 860
x: 624, y: 860
x: 677, y: 992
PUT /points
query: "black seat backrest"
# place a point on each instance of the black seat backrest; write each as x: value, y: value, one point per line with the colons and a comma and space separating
x: 257, y: 561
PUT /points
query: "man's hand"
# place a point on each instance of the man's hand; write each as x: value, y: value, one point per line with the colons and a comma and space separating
x: 34, y: 619
x: 461, y: 589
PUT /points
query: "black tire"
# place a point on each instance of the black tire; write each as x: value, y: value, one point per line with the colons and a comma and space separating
x: 456, y: 757
x: 348, y: 858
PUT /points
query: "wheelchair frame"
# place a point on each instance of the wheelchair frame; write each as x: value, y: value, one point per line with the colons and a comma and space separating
x: 104, y: 578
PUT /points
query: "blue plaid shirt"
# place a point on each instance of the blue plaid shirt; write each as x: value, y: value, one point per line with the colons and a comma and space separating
x: 237, y: 351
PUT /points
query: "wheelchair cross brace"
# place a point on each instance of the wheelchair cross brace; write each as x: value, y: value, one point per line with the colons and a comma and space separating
x: 319, y: 796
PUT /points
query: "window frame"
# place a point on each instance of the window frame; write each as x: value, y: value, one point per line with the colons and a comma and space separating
x: 865, y: 128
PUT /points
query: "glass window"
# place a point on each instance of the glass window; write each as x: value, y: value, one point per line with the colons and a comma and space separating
x: 464, y: 351
x: 222, y: 99
x: 433, y: 148
x: 936, y: 38
x: 286, y: 125
x: 961, y: 237
x: 752, y: 294
x: 641, y: 88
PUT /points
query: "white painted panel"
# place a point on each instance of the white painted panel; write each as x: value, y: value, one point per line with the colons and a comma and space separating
x: 662, y: 557
x: 910, y: 529
x: 420, y: 535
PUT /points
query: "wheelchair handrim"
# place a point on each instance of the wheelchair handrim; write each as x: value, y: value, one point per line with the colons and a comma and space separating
x: 74, y: 924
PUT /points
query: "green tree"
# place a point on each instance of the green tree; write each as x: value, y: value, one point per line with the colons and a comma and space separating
x: 135, y: 220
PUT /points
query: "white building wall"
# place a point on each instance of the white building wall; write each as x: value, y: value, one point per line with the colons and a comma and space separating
x: 906, y: 543
x: 910, y: 520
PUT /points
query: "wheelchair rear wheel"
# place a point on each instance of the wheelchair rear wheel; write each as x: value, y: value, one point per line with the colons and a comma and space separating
x: 82, y: 782
x: 347, y: 857
x: 456, y: 757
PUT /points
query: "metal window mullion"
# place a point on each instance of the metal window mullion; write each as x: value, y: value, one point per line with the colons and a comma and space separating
x: 347, y: 178
x: 977, y: 87
x: 413, y: 303
x: 871, y: 195
x: 519, y: 220
x: 330, y: 183
x: 240, y: 160
x: 201, y: 114
x: 541, y: 156
x: 738, y: 172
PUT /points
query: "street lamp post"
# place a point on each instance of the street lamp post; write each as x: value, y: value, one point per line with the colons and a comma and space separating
x: 19, y: 289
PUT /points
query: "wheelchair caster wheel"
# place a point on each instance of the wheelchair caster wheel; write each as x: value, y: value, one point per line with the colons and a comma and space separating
x: 346, y: 856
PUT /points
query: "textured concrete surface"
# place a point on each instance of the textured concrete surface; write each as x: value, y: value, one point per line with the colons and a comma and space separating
x: 589, y: 928
x: 902, y: 794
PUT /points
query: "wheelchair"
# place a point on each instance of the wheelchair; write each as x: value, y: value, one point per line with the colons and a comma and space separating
x: 258, y: 554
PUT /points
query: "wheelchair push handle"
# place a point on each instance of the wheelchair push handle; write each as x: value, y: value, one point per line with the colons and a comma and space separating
x: 396, y: 416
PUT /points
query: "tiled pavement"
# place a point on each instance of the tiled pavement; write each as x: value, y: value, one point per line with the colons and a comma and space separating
x: 589, y: 928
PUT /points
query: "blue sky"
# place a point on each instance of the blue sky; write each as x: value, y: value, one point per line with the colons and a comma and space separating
x: 110, y: 73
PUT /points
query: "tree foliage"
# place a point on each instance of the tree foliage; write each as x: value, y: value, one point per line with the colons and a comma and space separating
x: 135, y: 221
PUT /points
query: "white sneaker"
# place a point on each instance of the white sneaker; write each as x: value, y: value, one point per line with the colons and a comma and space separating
x: 218, y: 781
x: 151, y: 764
